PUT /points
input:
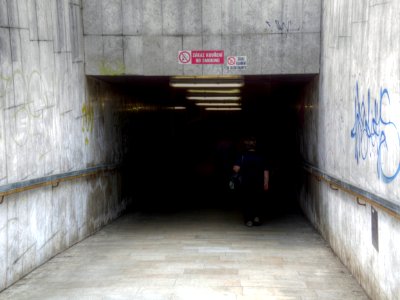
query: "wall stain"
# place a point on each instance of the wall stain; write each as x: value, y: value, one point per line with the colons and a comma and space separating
x: 87, y: 120
x: 112, y: 68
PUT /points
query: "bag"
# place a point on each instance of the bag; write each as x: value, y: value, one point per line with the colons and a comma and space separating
x: 235, y: 181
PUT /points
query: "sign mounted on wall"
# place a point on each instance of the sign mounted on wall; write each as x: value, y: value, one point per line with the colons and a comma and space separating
x: 185, y: 57
x: 236, y: 62
x: 201, y: 57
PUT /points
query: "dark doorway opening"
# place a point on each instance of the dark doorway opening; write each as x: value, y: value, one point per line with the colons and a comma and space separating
x: 177, y: 158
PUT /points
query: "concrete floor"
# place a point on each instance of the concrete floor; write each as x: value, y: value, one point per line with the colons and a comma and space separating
x: 197, y: 255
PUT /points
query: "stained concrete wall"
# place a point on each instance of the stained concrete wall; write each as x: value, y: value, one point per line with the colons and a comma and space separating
x: 351, y: 130
x: 143, y: 37
x: 52, y: 120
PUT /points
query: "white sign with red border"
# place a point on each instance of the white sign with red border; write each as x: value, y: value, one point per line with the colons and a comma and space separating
x: 185, y: 57
x: 236, y: 62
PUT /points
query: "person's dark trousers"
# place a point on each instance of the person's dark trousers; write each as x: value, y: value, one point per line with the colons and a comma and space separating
x: 251, y: 202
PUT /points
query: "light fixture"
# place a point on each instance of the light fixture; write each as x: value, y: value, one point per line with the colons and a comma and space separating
x: 207, y: 77
x: 223, y: 108
x: 219, y: 98
x: 206, y: 85
x: 217, y: 104
x: 213, y: 91
x: 223, y: 81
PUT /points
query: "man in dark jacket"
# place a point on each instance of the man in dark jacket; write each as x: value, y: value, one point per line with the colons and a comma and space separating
x: 254, y: 175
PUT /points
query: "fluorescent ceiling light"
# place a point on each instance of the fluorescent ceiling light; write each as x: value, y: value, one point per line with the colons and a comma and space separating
x: 217, y: 104
x: 231, y: 91
x: 207, y: 85
x: 221, y: 98
x: 223, y: 108
x: 223, y: 81
x: 178, y: 108
x: 208, y: 77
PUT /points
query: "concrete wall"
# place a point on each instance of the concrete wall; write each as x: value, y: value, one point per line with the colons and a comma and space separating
x: 351, y: 130
x: 52, y: 120
x: 143, y: 37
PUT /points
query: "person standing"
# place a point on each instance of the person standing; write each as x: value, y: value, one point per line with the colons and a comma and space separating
x: 254, y: 173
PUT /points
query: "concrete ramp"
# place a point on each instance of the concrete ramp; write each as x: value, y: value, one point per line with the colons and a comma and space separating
x: 203, y: 254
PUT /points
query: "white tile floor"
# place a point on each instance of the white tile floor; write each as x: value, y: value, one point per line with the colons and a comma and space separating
x: 197, y: 255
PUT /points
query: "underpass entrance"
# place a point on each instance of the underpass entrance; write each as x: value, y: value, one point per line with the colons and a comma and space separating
x: 182, y: 134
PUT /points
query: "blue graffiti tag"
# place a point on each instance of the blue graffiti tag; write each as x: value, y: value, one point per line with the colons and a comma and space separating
x: 373, y: 131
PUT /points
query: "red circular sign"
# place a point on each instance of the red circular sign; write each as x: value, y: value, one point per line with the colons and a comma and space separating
x: 231, y: 60
x: 184, y: 57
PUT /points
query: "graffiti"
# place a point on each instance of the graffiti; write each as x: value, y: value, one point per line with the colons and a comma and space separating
x: 281, y: 26
x: 29, y: 89
x: 87, y: 120
x: 30, y: 92
x: 375, y: 133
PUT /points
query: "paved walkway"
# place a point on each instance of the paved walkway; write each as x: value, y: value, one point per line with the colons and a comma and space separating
x: 198, y: 255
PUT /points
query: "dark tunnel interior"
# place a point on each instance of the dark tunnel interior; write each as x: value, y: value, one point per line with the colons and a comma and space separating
x: 182, y: 158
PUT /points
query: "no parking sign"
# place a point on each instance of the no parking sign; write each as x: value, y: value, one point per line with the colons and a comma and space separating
x: 236, y: 62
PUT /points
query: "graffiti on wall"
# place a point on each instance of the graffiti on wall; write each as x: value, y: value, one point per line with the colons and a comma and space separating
x: 28, y: 97
x: 375, y: 133
x: 281, y: 26
x: 30, y: 90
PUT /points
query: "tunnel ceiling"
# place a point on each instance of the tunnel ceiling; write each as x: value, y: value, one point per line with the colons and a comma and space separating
x: 156, y: 92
